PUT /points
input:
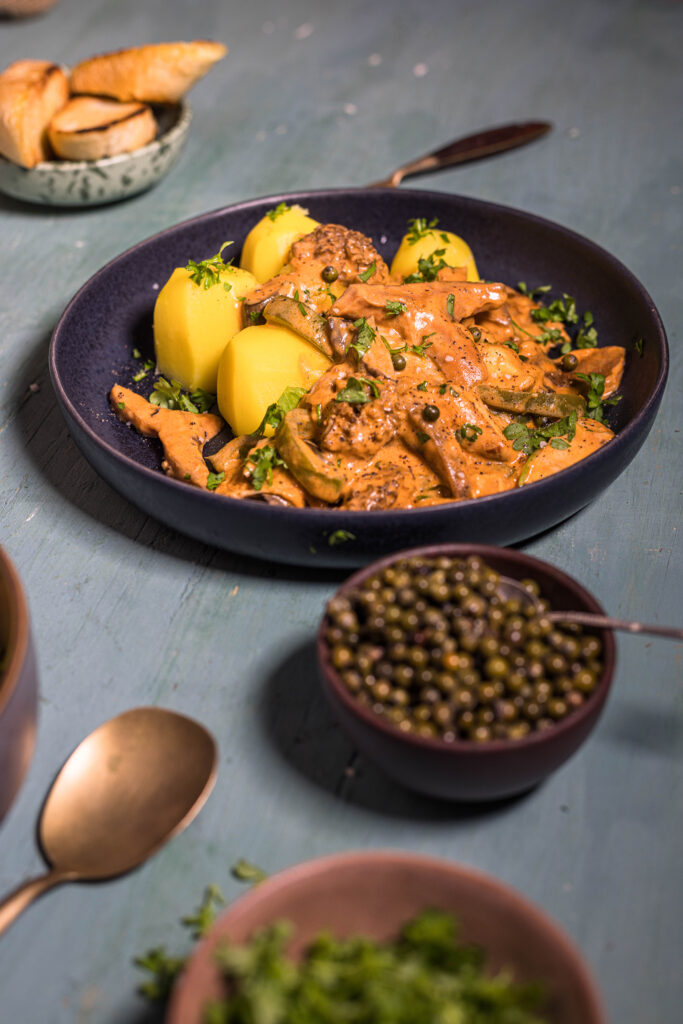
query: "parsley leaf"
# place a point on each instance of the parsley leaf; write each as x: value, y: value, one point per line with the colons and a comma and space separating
x: 563, y: 309
x: 355, y: 394
x: 639, y: 345
x: 533, y: 293
x: 527, y: 439
x: 418, y: 227
x: 594, y: 401
x: 265, y: 460
x: 367, y: 274
x: 427, y: 268
x: 365, y: 337
x: 278, y: 211
x: 422, y: 386
x: 173, y: 396
x: 469, y: 432
x: 450, y: 305
x: 214, y: 479
x: 340, y: 537
x: 208, y: 272
x: 393, y: 308
x: 276, y: 412
x: 244, y: 871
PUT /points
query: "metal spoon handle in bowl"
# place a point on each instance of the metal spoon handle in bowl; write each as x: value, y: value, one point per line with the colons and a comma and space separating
x: 605, y: 622
x: 471, y: 147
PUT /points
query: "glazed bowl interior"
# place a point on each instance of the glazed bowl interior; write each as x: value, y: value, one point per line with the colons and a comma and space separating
x: 462, y: 769
x: 112, y: 315
x: 374, y: 893
x: 18, y: 685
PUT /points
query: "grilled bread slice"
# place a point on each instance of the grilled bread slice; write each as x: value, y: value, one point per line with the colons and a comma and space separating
x: 31, y: 93
x: 88, y: 128
x: 159, y: 73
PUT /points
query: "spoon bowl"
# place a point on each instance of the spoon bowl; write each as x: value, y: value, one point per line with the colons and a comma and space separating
x: 128, y: 788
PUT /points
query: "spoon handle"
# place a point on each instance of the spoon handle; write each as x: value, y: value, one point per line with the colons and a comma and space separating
x: 471, y: 147
x: 28, y: 891
x: 590, y: 619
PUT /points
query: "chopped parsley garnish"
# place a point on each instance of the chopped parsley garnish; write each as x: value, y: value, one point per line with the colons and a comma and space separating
x: 244, y: 871
x: 527, y: 439
x: 422, y: 438
x: 364, y: 337
x: 594, y: 401
x: 173, y: 396
x: 265, y: 460
x: 469, y: 432
x: 367, y: 274
x: 355, y: 392
x: 512, y: 345
x: 563, y: 310
x: 278, y: 211
x: 140, y: 375
x: 419, y: 227
x: 254, y: 316
x: 639, y: 345
x: 393, y: 308
x: 275, y: 413
x: 208, y: 272
x: 587, y: 336
x: 428, y: 268
x: 422, y: 386
x: 533, y: 293
x: 214, y: 479
x: 393, y: 351
x: 302, y: 308
x: 121, y: 405
x: 450, y: 305
x: 319, y: 412
x: 340, y: 537
x: 137, y: 354
x: 205, y: 914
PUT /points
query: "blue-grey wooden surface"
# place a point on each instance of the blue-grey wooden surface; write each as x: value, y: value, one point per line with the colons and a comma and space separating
x: 127, y: 612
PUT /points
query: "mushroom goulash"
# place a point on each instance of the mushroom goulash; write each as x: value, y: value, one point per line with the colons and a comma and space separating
x: 347, y: 383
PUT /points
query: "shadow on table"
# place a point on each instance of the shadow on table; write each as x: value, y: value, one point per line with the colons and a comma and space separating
x: 49, y: 445
x: 300, y: 724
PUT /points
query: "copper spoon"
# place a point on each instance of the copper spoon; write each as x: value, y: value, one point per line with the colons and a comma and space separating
x: 513, y: 588
x: 130, y: 786
x: 471, y: 147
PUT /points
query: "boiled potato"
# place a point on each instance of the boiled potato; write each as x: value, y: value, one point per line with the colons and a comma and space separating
x: 193, y: 324
x: 457, y: 254
x: 256, y: 367
x: 267, y: 245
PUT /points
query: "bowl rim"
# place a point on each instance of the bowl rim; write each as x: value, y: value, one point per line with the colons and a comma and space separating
x: 458, y: 746
x: 388, y: 858
x: 571, y: 473
x: 64, y: 167
x: 18, y: 630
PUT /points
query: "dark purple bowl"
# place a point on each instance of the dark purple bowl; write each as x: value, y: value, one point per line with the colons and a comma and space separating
x: 18, y: 685
x: 92, y: 345
x: 464, y: 770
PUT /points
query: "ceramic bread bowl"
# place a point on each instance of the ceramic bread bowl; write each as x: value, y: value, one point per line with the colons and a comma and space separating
x: 374, y: 893
x: 105, y: 180
x: 460, y: 768
x: 18, y: 685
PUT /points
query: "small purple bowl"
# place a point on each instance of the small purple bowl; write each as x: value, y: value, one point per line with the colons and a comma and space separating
x: 18, y: 685
x: 462, y: 769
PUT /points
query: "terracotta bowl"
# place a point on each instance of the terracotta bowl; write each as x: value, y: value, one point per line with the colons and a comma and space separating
x: 18, y: 685
x: 463, y: 770
x: 375, y: 893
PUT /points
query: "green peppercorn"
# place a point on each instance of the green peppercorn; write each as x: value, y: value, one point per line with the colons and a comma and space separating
x: 569, y: 362
x: 430, y: 413
x: 398, y: 361
x: 329, y: 274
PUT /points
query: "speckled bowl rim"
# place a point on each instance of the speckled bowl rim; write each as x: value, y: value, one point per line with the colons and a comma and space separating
x: 63, y: 167
x: 457, y: 746
x: 568, y: 475
x: 360, y: 859
x: 17, y: 630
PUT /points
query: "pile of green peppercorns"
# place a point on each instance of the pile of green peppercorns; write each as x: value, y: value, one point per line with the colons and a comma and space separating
x: 432, y: 645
